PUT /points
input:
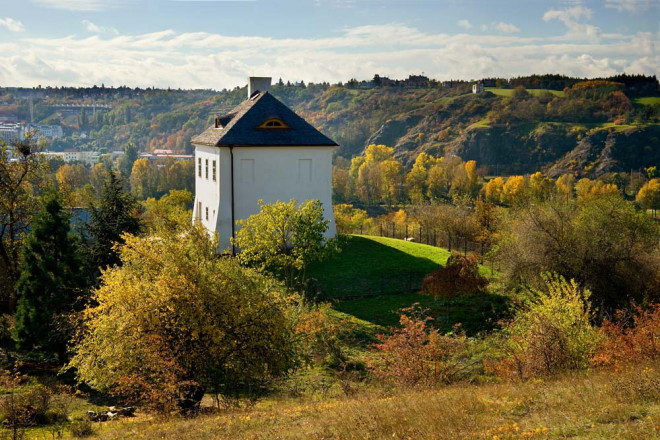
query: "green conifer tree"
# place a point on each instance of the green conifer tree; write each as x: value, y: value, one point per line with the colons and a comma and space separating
x: 115, y: 215
x: 51, y: 283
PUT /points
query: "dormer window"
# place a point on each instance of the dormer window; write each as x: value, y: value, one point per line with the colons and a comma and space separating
x: 274, y: 124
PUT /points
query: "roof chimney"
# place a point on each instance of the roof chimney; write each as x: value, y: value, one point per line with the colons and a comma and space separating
x: 258, y: 83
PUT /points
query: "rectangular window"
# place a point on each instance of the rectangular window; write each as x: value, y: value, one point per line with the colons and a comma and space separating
x: 206, y: 169
x: 199, y: 167
x: 207, y: 213
x: 214, y: 171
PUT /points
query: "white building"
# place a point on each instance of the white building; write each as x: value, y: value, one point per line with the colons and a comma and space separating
x: 261, y: 150
x: 478, y: 87
x: 49, y: 131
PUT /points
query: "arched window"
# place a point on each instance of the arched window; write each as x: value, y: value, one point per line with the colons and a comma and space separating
x: 273, y: 123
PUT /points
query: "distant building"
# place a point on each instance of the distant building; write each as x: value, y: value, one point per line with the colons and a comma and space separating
x: 478, y: 87
x: 160, y: 154
x: 49, y: 131
x: 70, y: 155
x: 261, y: 150
x: 10, y: 132
x: 416, y: 81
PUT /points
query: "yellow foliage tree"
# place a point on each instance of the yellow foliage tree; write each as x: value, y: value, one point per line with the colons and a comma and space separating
x: 174, y: 320
x: 541, y: 187
x: 565, y: 185
x: 493, y: 190
x: 587, y: 189
x: 649, y: 195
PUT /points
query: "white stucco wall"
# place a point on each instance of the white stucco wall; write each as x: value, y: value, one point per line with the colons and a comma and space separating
x: 266, y: 173
x: 207, y: 191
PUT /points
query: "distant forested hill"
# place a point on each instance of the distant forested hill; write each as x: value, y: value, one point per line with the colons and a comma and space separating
x: 549, y: 122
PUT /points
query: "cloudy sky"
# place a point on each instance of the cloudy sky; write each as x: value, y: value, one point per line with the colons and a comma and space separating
x: 218, y: 43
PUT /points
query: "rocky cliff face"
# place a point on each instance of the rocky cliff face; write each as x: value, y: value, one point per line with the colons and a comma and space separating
x: 613, y: 150
x: 555, y: 148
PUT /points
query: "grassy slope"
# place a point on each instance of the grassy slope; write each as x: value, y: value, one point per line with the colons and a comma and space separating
x: 373, y: 277
x: 372, y: 265
x: 509, y: 92
x: 599, y: 405
x: 647, y: 100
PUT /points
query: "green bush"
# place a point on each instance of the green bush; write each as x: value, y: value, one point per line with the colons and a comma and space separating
x: 550, y: 333
x: 82, y: 428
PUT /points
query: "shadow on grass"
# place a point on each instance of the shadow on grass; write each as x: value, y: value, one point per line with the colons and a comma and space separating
x: 477, y: 313
x: 367, y: 266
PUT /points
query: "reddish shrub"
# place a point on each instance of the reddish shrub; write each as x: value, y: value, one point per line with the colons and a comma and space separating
x: 460, y: 276
x: 417, y: 355
x: 631, y: 343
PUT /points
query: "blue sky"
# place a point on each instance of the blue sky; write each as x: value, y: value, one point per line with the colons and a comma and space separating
x: 218, y: 43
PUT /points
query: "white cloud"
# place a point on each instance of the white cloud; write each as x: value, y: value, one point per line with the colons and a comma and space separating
x: 465, y: 24
x: 571, y: 17
x: 11, y: 24
x: 82, y: 5
x: 627, y: 5
x: 91, y: 27
x: 507, y: 28
x: 212, y: 60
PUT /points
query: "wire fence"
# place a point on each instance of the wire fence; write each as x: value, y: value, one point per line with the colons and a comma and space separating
x: 429, y: 236
x: 406, y: 281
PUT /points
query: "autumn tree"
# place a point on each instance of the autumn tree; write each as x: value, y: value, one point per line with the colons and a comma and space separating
x: 283, y: 238
x: 170, y: 212
x: 565, y: 186
x: 540, y: 187
x: 493, y: 190
x: 173, y: 321
x: 144, y: 179
x: 649, y: 195
x: 603, y: 243
x: 51, y: 283
x: 417, y: 178
x: 21, y: 183
x: 377, y: 174
x: 587, y: 189
x: 513, y: 191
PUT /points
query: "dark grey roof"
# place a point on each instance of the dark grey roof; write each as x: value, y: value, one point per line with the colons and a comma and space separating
x: 239, y: 127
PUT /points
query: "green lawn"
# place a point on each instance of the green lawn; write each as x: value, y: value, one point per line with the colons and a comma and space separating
x: 509, y: 92
x: 647, y: 100
x: 373, y: 277
x: 376, y: 265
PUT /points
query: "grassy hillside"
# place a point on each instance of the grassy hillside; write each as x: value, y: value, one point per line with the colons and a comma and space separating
x: 509, y: 92
x: 373, y: 277
x: 603, y: 405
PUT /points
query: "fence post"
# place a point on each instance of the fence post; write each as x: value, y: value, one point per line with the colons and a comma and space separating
x: 393, y: 230
x: 420, y: 234
x: 406, y: 231
x: 361, y: 226
x: 381, y: 229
